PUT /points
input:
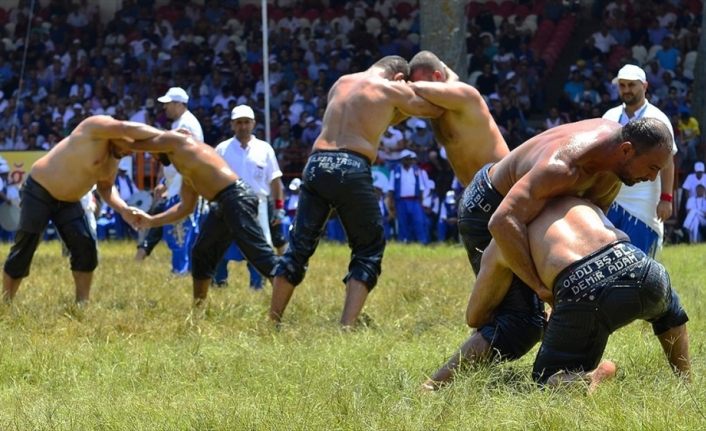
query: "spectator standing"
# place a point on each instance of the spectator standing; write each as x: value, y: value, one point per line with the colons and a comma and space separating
x: 695, y: 219
x: 255, y: 162
x: 639, y: 210
x: 179, y: 237
x: 405, y: 193
x: 689, y: 136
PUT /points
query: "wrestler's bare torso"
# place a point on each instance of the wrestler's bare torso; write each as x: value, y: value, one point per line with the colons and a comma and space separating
x: 569, y: 147
x: 469, y: 135
x: 358, y: 113
x: 360, y: 108
x: 70, y: 169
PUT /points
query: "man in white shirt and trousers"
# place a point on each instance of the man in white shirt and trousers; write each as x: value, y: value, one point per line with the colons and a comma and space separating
x: 640, y: 210
x: 179, y: 237
x: 255, y: 162
x: 695, y: 220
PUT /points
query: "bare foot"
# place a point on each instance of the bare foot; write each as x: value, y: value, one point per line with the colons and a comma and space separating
x: 606, y: 370
x: 430, y: 386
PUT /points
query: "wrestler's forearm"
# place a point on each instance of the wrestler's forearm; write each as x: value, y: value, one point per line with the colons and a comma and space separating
x: 491, y: 286
x: 513, y: 242
x: 112, y: 198
x: 139, y: 131
x: 277, y: 189
x: 174, y: 214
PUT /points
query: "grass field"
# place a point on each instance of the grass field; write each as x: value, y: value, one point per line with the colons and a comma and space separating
x: 138, y: 358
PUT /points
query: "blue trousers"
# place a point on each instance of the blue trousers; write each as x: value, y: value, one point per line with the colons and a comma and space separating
x: 641, y: 235
x: 234, y: 253
x: 180, y: 238
x: 412, y: 224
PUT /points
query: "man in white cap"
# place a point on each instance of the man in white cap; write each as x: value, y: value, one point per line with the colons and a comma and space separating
x: 406, y: 188
x: 695, y: 220
x: 639, y: 210
x: 693, y: 180
x: 178, y: 237
x: 255, y: 162
x: 175, y: 108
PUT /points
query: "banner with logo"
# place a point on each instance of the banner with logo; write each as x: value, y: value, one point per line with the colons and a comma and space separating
x: 20, y: 163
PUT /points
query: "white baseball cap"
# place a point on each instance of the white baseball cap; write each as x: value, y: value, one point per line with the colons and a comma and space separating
x: 175, y: 94
x: 242, y: 111
x: 408, y: 154
x: 699, y: 167
x: 630, y: 72
x: 295, y: 184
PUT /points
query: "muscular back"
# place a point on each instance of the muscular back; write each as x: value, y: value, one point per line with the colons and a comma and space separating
x: 70, y: 169
x: 469, y: 134
x: 566, y: 231
x: 358, y: 113
x: 360, y: 108
x: 565, y: 150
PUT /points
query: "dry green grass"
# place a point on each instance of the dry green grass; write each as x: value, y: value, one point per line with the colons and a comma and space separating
x: 138, y: 359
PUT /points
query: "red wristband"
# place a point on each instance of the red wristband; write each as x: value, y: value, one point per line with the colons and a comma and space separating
x: 279, y: 204
x: 665, y: 197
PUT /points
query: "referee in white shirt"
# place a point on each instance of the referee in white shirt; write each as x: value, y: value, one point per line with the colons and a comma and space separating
x: 255, y: 162
x: 640, y: 210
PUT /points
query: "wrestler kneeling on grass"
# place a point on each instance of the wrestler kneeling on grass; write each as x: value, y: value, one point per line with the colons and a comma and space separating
x: 600, y: 282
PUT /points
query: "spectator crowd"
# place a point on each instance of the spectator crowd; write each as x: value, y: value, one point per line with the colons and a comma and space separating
x: 79, y: 63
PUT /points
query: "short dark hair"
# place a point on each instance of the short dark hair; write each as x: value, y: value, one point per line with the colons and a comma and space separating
x: 647, y: 134
x: 393, y: 64
x: 425, y: 60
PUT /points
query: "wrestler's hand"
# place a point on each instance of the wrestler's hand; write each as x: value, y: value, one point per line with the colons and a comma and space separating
x: 664, y: 210
x: 545, y: 295
x: 136, y: 218
x: 159, y: 191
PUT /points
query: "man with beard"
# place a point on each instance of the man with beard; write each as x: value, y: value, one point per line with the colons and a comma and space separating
x: 601, y: 283
x: 588, y: 159
x: 639, y: 210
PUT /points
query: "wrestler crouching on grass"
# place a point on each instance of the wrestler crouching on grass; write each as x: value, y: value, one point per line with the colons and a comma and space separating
x: 53, y: 190
x: 233, y: 208
x: 600, y: 283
